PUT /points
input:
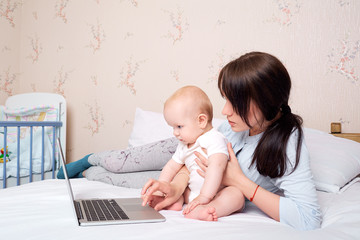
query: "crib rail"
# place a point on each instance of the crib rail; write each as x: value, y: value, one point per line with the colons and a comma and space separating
x: 30, y: 124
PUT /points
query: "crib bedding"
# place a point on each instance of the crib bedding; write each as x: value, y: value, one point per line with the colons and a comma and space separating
x: 31, y: 121
x: 42, y: 210
x: 35, y: 113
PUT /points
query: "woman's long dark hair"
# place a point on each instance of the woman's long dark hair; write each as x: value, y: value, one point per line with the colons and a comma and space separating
x: 262, y: 79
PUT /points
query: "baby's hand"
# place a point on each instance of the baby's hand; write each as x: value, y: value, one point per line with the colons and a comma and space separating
x: 199, y: 200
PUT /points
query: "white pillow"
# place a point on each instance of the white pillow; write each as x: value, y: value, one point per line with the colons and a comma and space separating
x: 151, y: 127
x: 148, y: 127
x: 334, y: 161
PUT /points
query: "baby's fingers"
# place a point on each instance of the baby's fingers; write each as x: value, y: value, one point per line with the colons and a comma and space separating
x: 191, y: 206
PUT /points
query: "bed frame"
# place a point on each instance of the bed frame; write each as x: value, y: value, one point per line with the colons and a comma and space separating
x: 58, y: 131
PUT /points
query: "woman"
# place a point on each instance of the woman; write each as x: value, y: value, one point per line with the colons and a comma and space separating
x: 269, y: 162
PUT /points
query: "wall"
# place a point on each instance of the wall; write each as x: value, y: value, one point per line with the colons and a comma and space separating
x: 109, y: 57
x: 10, y: 19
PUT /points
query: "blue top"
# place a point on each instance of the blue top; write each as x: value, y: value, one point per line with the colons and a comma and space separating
x: 299, y: 207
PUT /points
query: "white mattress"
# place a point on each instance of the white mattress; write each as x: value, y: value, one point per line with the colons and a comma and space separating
x: 42, y: 210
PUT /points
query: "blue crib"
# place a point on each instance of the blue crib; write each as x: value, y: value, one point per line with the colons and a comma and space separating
x: 40, y: 139
x: 55, y: 126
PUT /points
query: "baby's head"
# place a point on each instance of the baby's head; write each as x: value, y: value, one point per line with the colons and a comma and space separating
x: 189, y: 112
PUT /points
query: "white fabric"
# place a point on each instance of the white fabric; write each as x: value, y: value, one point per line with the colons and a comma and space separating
x: 42, y: 211
x: 151, y: 127
x: 214, y: 142
x: 148, y: 127
x: 334, y: 161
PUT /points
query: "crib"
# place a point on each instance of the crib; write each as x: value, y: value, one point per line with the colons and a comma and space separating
x: 29, y: 126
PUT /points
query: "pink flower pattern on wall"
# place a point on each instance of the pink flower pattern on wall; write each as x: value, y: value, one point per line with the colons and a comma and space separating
x: 7, y: 10
x: 345, y: 59
x: 286, y: 9
x: 175, y: 75
x: 60, y: 7
x: 219, y: 62
x: 96, y: 116
x: 135, y: 3
x: 94, y: 80
x: 343, y: 2
x: 98, y: 36
x: 60, y: 80
x: 179, y: 25
x: 216, y: 66
x: 36, y: 48
x: 128, y: 73
x: 7, y: 80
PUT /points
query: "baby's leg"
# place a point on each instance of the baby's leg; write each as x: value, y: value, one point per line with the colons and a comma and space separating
x: 227, y: 201
x: 203, y: 212
x: 177, y: 206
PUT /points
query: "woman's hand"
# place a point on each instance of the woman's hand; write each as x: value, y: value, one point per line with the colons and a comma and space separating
x: 232, y: 172
x: 169, y: 192
x: 158, y: 194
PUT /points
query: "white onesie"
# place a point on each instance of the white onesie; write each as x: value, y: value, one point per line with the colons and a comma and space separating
x: 214, y: 142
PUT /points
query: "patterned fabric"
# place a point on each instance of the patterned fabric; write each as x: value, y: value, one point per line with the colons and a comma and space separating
x: 133, y: 166
x: 36, y: 113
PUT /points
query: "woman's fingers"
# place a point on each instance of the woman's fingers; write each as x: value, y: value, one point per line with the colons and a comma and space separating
x: 232, y: 155
x: 203, y: 159
x: 162, y: 203
x: 147, y: 186
x: 147, y: 191
x: 157, y: 193
x: 201, y: 173
x: 202, y: 162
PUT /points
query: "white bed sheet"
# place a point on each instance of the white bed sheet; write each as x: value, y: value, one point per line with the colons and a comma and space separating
x: 42, y: 210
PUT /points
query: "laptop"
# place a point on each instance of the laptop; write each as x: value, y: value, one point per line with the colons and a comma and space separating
x: 90, y: 212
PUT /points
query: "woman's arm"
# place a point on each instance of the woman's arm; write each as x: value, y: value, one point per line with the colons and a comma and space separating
x: 298, y: 208
x: 267, y: 201
x: 171, y: 191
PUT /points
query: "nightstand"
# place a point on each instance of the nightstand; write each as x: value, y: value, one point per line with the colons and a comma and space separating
x: 336, y: 131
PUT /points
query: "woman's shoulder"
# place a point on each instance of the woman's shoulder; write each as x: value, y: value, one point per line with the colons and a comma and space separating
x: 232, y: 136
x: 225, y: 129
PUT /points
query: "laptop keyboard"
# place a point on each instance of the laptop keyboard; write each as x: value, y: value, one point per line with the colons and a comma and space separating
x: 102, y: 210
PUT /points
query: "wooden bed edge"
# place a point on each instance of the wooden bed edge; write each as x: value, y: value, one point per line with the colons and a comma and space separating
x: 351, y: 136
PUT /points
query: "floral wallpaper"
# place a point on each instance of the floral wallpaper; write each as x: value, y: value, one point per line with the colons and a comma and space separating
x: 107, y: 57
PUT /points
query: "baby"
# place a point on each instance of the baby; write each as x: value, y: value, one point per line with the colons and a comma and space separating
x: 189, y: 112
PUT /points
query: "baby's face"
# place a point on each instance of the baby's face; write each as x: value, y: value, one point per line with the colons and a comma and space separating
x: 185, y: 126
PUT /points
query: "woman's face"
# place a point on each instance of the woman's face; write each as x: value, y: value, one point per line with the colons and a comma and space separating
x: 237, y: 124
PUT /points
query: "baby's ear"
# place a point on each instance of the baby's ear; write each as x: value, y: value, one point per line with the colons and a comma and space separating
x: 203, y: 120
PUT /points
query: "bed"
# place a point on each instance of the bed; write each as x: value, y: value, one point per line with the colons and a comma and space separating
x: 29, y: 125
x: 42, y: 210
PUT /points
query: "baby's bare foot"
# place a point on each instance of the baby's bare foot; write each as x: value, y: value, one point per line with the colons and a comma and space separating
x: 204, y: 213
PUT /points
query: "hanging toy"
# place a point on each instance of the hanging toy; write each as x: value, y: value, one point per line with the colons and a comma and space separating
x: 2, y: 155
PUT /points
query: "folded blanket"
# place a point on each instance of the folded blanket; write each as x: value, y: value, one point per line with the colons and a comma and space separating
x: 133, y: 166
x: 129, y: 180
